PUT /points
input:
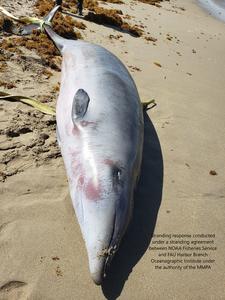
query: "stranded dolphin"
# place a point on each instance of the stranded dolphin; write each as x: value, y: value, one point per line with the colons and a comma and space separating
x: 100, y: 129
x: 100, y: 132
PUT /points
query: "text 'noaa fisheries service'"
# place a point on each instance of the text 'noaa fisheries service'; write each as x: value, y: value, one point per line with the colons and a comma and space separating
x: 183, y: 251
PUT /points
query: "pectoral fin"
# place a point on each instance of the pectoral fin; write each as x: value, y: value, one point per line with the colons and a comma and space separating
x: 80, y: 105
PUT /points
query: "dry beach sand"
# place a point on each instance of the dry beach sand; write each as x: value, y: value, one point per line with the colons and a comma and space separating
x: 42, y: 254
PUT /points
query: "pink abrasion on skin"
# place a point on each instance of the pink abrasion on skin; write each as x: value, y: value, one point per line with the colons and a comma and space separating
x: 109, y: 162
x: 81, y: 181
x: 79, y: 174
x: 72, y: 129
x: 93, y: 191
x: 74, y: 154
x: 76, y: 130
x: 76, y: 168
x: 76, y: 165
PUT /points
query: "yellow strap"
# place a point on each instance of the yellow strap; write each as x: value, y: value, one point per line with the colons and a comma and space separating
x: 30, y: 101
x: 25, y: 19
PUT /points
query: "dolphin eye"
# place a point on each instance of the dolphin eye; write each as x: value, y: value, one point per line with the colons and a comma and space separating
x: 117, y: 175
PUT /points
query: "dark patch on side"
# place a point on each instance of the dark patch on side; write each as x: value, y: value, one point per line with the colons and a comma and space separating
x: 117, y: 176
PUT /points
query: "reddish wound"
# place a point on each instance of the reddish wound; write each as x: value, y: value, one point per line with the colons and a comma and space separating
x: 109, y: 162
x: 77, y: 167
x: 75, y: 130
x: 92, y: 191
x: 81, y: 180
x: 73, y: 153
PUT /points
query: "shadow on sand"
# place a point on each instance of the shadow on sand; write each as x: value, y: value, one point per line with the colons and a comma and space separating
x: 146, y: 205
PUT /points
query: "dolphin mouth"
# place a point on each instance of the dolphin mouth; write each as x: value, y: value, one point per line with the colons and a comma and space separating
x: 106, y: 254
x: 105, y: 257
x: 119, y: 228
x: 112, y: 248
x: 110, y: 254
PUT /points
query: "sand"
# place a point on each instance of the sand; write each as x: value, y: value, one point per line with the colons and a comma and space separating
x: 42, y: 254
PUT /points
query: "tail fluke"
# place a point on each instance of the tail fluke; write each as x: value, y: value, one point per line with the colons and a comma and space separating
x: 51, y: 14
x: 35, y: 23
x: 31, y: 23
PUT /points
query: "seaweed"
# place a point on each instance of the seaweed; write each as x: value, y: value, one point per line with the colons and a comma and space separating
x: 152, y: 2
x: 38, y: 41
x: 63, y: 25
x: 112, y: 17
x: 113, y: 1
x: 7, y: 85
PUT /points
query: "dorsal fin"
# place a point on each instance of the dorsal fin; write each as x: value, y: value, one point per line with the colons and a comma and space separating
x: 80, y: 105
